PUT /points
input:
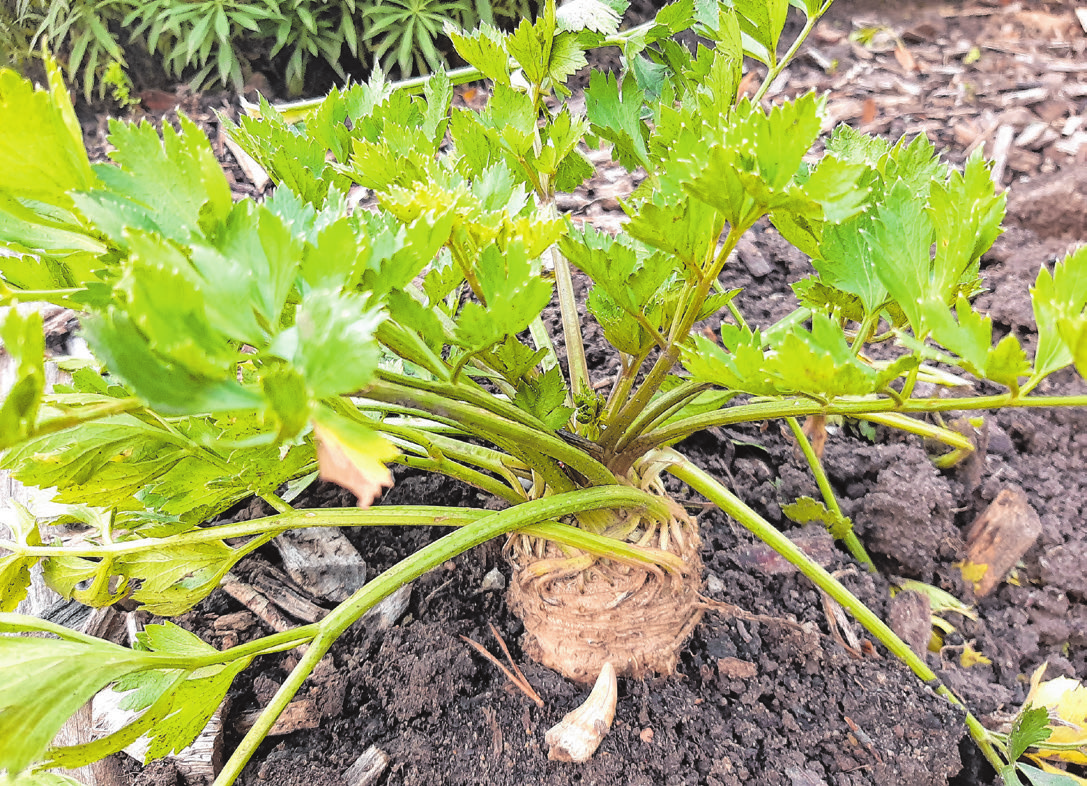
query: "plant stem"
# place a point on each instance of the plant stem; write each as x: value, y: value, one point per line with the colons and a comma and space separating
x: 86, y: 414
x: 902, y: 422
x: 686, y: 316
x: 516, y: 437
x: 409, y: 569
x: 728, y: 502
x: 852, y: 542
x: 571, y: 324
x: 779, y: 66
x: 661, y: 409
x: 800, y: 407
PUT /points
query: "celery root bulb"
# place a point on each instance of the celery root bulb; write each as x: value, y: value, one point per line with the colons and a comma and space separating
x: 576, y: 620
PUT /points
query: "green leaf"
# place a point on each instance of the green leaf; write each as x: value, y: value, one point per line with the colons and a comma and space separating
x: 848, y: 262
x: 23, y: 339
x: 752, y: 171
x: 176, y: 178
x: 545, y: 397
x: 567, y: 58
x: 806, y: 510
x: 621, y: 329
x: 685, y: 227
x: 41, y: 150
x: 901, y: 240
x: 818, y: 363
x: 617, y: 117
x: 252, y: 261
x: 594, y: 15
x: 970, y: 337
x: 1059, y: 295
x: 632, y: 281
x: 531, y: 45
x: 172, y: 580
x: 484, y: 48
x: 1031, y: 726
x: 46, y: 681
x: 762, y: 22
x: 163, y: 384
x: 332, y: 342
x: 1039, y: 777
x: 513, y: 296
x: 966, y: 213
x: 14, y: 568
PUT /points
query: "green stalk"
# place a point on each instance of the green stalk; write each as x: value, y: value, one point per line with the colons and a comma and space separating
x: 620, y: 391
x: 779, y: 66
x: 801, y: 407
x: 571, y: 324
x: 409, y: 569
x: 499, y: 430
x: 920, y: 428
x: 662, y: 408
x: 81, y: 415
x: 852, y: 542
x: 468, y: 392
x: 728, y: 502
x: 687, y: 314
x: 452, y: 469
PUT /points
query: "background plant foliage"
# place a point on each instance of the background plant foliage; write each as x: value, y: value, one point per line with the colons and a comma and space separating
x: 213, y: 42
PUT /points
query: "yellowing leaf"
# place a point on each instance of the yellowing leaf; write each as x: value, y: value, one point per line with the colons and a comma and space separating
x: 972, y: 571
x: 971, y: 657
x: 1066, y: 699
x: 352, y: 456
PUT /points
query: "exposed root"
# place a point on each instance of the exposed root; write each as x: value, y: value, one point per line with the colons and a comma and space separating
x: 635, y: 617
x: 577, y: 736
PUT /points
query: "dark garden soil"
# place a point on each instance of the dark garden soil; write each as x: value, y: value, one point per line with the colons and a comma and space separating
x: 772, y: 696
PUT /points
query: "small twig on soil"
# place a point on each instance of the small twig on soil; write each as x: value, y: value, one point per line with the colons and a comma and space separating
x: 516, y: 676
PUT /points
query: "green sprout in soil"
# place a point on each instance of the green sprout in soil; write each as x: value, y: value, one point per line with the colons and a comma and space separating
x: 242, y: 346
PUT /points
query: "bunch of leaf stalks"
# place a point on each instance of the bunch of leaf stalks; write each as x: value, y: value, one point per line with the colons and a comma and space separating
x: 242, y: 348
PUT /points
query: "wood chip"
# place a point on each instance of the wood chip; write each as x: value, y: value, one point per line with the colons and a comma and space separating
x: 910, y: 616
x: 1032, y: 95
x: 1036, y: 136
x: 322, y: 561
x: 999, y: 537
x: 736, y: 669
x: 256, y: 602
x: 254, y: 171
x: 367, y: 768
x: 279, y: 589
x: 1005, y: 135
x: 300, y: 714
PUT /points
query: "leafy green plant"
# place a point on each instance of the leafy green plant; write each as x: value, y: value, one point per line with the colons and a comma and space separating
x: 243, y: 346
x: 404, y: 32
x: 203, y: 35
x: 82, y: 30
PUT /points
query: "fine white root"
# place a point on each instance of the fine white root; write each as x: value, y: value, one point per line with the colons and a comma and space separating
x: 577, y: 736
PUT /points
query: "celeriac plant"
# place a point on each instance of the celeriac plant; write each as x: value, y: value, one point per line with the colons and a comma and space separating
x: 241, y: 348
